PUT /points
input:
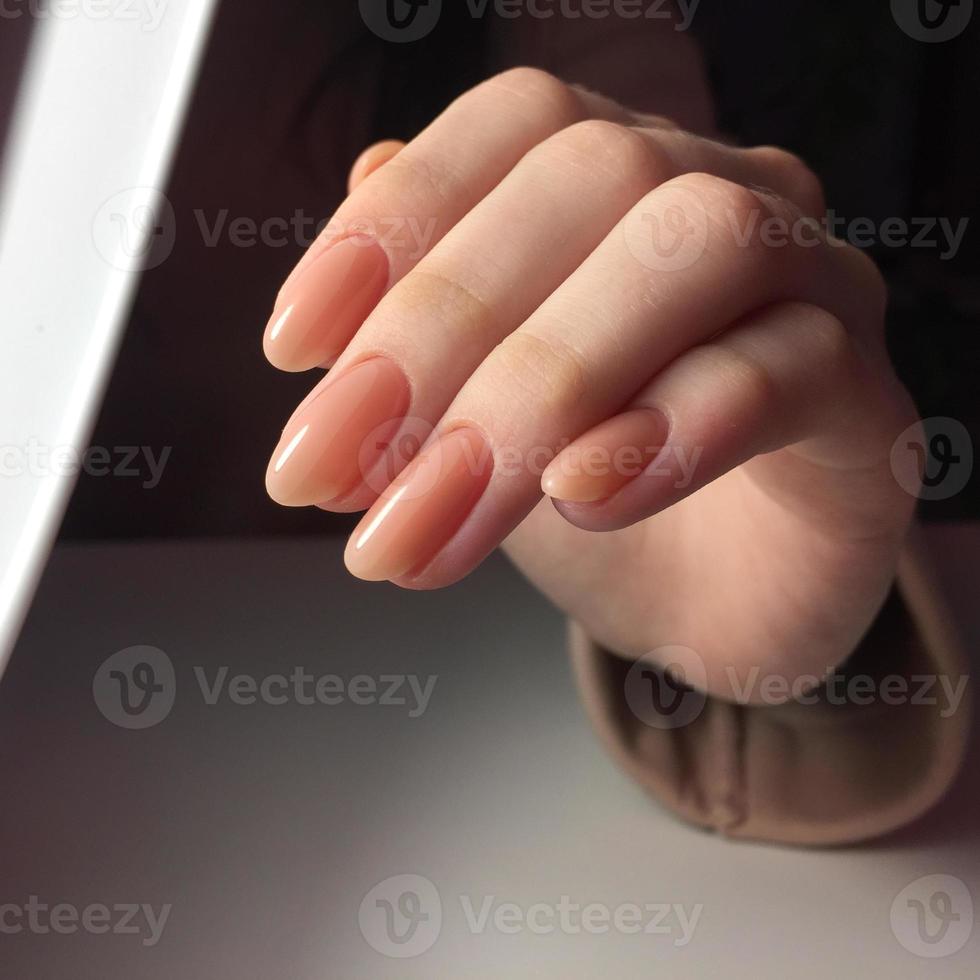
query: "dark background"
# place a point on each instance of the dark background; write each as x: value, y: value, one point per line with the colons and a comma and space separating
x: 291, y: 92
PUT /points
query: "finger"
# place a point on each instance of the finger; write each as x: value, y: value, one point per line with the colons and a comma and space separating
x: 433, y: 329
x: 789, y: 375
x: 373, y: 158
x: 395, y: 217
x: 484, y: 279
x: 619, y: 319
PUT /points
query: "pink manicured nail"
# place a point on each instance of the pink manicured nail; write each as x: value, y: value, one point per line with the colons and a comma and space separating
x: 422, y: 509
x: 605, y: 459
x: 319, y: 311
x: 337, y: 435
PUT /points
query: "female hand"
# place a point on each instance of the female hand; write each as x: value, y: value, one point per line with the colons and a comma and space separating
x: 563, y: 299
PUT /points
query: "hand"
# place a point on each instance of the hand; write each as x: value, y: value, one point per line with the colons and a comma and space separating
x: 543, y: 272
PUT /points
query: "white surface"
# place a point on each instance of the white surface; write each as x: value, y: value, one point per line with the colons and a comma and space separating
x: 98, y: 114
x: 264, y: 826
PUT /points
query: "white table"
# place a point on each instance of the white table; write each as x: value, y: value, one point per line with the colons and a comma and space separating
x: 263, y: 826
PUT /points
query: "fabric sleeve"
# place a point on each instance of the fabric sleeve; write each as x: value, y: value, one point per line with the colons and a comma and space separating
x: 830, y: 771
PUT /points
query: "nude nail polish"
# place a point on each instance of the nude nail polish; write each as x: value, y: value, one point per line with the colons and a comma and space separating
x: 601, y: 462
x: 319, y: 311
x: 422, y: 509
x: 338, y: 434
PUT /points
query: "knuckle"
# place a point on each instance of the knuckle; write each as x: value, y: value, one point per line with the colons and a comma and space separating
x: 591, y: 136
x: 733, y: 214
x: 658, y: 122
x: 831, y: 344
x: 546, y: 373
x: 738, y: 201
x: 613, y: 148
x: 433, y: 291
x: 744, y: 373
x: 793, y: 177
x: 719, y: 196
x: 539, y: 86
x: 413, y: 186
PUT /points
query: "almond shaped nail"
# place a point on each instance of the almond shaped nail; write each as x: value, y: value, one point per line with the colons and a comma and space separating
x: 422, y: 509
x: 338, y: 434
x: 601, y: 462
x: 319, y: 311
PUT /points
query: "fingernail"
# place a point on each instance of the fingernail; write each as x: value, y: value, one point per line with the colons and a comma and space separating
x: 337, y: 435
x: 422, y: 509
x: 601, y: 462
x: 319, y: 311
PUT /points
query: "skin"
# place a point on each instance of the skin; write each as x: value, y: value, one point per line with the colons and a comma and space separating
x: 539, y: 316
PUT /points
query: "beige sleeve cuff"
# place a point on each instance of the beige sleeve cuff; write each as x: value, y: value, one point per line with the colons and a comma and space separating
x: 828, y: 772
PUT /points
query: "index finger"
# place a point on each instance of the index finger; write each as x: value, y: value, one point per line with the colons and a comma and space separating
x: 394, y: 217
